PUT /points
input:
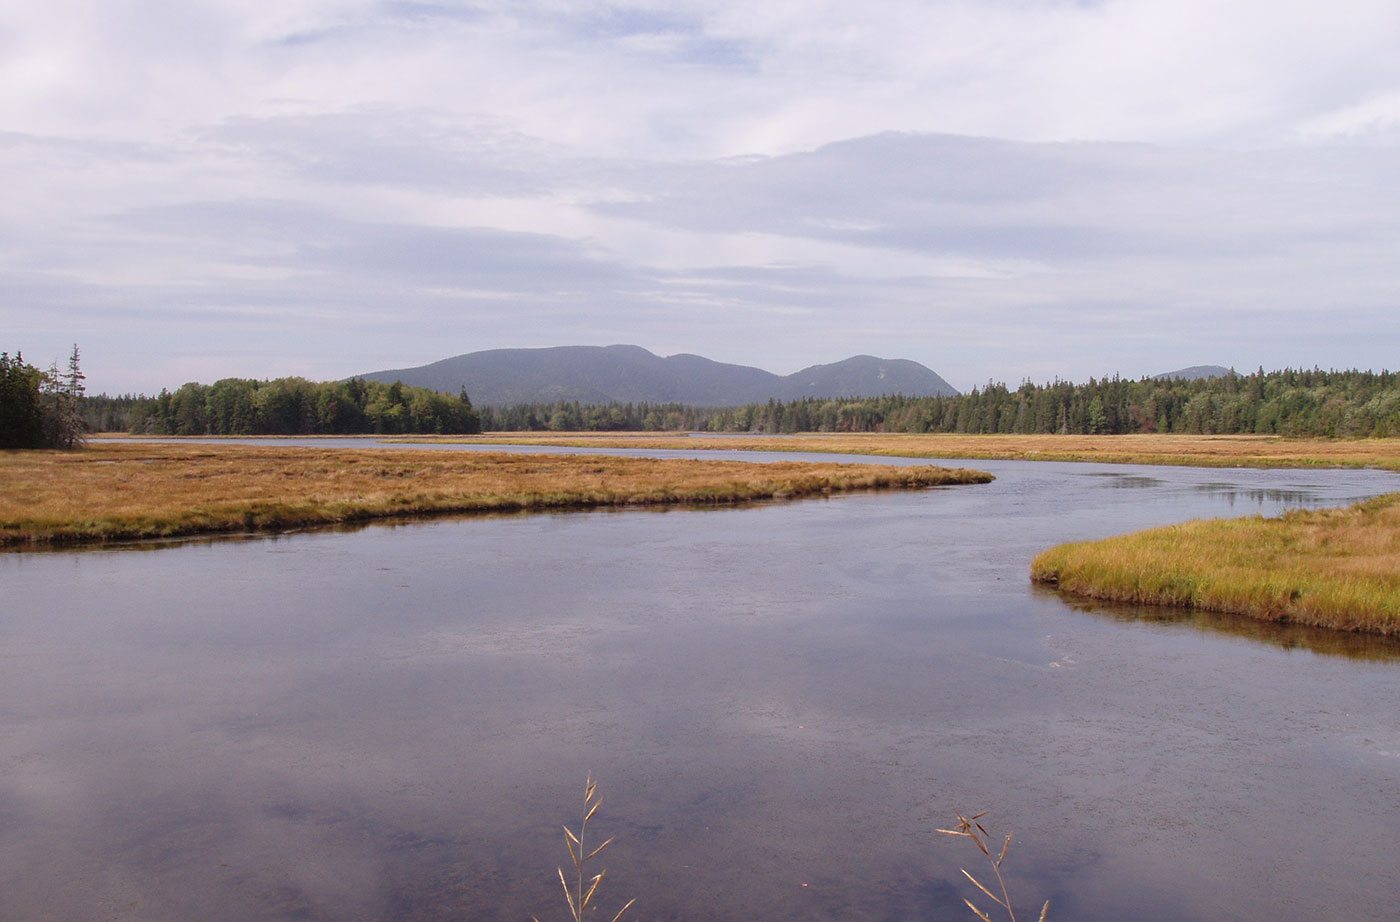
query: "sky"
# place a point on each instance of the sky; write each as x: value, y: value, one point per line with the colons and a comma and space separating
x: 1000, y: 189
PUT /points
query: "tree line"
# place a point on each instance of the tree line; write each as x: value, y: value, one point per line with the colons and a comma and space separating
x: 49, y: 409
x: 41, y: 408
x: 286, y: 406
x: 1292, y: 402
x: 571, y: 416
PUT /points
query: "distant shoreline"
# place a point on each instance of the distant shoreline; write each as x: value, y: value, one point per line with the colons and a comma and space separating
x: 1257, y: 451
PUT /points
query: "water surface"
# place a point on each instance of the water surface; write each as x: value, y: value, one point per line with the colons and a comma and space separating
x: 780, y: 701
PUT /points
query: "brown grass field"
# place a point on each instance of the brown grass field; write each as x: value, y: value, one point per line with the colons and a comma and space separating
x: 124, y: 491
x: 1337, y: 568
x: 1192, y: 450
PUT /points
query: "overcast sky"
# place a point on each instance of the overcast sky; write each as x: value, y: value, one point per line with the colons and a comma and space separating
x: 999, y: 189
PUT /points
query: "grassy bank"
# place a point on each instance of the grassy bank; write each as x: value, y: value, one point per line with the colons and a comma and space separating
x: 1337, y: 568
x: 118, y: 491
x: 1193, y: 450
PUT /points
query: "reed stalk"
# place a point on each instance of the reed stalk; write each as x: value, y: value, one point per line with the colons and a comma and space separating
x: 969, y: 827
x: 579, y: 888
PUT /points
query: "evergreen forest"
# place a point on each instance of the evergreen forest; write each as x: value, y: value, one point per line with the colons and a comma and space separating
x: 41, y: 409
x: 1341, y: 404
x: 286, y: 406
x: 49, y: 408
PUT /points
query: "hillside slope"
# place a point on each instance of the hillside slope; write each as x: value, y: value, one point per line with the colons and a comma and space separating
x: 631, y: 374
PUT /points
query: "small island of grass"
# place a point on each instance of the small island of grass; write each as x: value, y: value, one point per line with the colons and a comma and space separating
x: 122, y: 492
x: 1337, y: 568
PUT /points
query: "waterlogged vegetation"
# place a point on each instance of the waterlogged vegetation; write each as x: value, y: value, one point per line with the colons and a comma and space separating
x: 116, y: 491
x: 1337, y: 568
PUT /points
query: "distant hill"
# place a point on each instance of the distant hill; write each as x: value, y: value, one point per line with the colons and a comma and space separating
x: 631, y: 374
x: 1195, y: 372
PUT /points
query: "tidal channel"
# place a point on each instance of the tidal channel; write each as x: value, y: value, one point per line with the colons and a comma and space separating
x: 780, y: 703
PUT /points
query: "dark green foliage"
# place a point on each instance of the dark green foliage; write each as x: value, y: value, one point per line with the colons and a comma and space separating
x: 286, y: 406
x: 40, y: 409
x: 62, y: 398
x: 21, y: 414
x: 571, y: 416
x: 1350, y: 404
x: 1353, y: 404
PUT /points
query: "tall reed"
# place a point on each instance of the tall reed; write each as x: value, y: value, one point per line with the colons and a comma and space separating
x: 580, y: 890
x: 968, y: 827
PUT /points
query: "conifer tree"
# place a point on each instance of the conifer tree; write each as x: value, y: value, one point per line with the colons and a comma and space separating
x: 21, y: 415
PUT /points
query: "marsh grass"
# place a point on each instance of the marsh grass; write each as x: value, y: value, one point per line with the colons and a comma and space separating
x: 1335, y: 568
x: 579, y: 887
x: 969, y: 827
x: 123, y: 491
x: 1152, y: 448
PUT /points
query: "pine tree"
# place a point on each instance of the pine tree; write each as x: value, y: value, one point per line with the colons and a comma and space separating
x: 73, y: 381
x: 21, y: 414
x: 60, y: 396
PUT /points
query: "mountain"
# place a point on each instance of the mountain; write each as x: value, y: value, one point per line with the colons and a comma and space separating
x: 631, y: 374
x: 1195, y: 372
x: 863, y: 376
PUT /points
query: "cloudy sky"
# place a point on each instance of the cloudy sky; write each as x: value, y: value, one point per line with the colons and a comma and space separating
x: 1000, y: 189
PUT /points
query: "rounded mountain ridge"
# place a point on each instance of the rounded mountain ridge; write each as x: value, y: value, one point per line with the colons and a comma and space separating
x: 631, y: 374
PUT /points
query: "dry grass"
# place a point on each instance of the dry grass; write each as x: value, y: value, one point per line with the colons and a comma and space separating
x: 1194, y: 450
x: 580, y: 896
x: 121, y: 491
x: 1337, y: 568
x: 969, y: 827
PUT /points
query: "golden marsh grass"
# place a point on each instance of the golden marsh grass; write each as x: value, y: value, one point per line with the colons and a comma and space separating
x: 1337, y: 568
x: 124, y: 491
x: 1192, y: 450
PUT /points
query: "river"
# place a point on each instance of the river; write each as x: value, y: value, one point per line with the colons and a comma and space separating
x: 780, y: 702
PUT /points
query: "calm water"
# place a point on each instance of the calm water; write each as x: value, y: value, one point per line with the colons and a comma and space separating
x: 780, y: 701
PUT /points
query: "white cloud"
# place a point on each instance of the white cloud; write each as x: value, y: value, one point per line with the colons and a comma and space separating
x: 779, y: 183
